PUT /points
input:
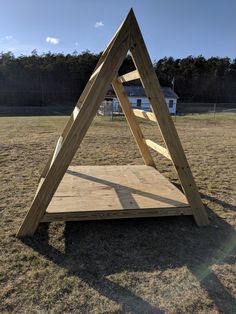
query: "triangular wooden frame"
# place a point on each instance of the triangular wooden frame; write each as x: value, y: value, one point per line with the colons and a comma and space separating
x: 127, y: 38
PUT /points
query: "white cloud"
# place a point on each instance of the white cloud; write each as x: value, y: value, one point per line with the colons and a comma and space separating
x: 98, y: 24
x: 52, y: 40
x: 76, y: 44
x: 8, y: 37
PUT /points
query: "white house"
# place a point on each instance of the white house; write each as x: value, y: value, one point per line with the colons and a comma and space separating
x: 137, y: 99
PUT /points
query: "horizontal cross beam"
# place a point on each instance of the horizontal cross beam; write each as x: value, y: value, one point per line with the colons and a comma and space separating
x: 158, y: 148
x: 131, y: 76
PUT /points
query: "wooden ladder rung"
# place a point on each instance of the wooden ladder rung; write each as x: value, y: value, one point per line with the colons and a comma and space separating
x: 134, y: 75
x: 158, y: 148
x: 145, y: 115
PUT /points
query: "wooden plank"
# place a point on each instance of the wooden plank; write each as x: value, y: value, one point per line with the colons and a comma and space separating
x: 78, y: 130
x: 141, y: 213
x: 101, y: 60
x: 81, y: 100
x: 88, y: 85
x: 57, y: 149
x: 144, y: 114
x: 160, y: 149
x: 152, y: 89
x: 96, y: 72
x: 79, y: 103
x: 90, y: 82
x: 134, y: 127
x: 75, y: 112
x: 101, y: 188
x: 51, y: 159
x: 134, y: 75
x: 100, y: 192
x: 39, y: 185
x: 47, y: 166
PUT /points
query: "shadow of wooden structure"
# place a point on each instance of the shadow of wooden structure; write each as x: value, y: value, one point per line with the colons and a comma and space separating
x: 94, y: 251
x: 66, y: 204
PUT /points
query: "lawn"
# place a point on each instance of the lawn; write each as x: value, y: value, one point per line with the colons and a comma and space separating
x: 155, y: 265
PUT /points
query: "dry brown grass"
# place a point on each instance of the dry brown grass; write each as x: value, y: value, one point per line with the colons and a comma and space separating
x: 163, y: 265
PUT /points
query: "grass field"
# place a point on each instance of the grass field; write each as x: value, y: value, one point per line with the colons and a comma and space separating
x: 161, y: 265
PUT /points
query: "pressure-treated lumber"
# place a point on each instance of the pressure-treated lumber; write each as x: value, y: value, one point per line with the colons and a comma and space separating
x: 116, y: 214
x: 96, y: 71
x: 101, y: 192
x: 134, y: 127
x: 152, y: 89
x: 127, y: 37
x: 158, y: 148
x: 82, y: 98
x: 145, y: 115
x: 78, y: 130
x: 134, y: 75
x: 58, y: 147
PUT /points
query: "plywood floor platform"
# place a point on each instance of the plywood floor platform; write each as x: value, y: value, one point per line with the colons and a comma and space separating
x: 110, y: 192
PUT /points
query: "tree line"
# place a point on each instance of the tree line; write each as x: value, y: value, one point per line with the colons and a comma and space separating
x: 59, y: 79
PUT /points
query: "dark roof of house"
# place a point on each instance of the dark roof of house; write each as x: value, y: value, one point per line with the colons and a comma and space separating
x: 138, y: 91
x: 168, y: 92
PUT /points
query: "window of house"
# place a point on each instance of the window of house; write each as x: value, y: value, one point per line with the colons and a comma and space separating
x: 139, y: 103
x: 171, y: 103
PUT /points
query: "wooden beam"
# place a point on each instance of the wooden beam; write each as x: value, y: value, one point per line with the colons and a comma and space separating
x: 134, y: 75
x: 51, y: 159
x: 127, y: 38
x: 158, y: 148
x: 117, y: 214
x: 100, y: 61
x: 81, y: 99
x: 75, y: 112
x: 152, y: 89
x: 96, y: 72
x: 76, y: 133
x: 57, y: 149
x: 134, y: 127
x: 144, y: 115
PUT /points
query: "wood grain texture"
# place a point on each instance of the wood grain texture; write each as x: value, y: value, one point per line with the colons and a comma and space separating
x: 153, y: 92
x: 127, y: 37
x: 101, y: 192
x: 115, y: 214
x: 82, y: 98
x: 76, y: 133
x: 58, y: 147
x: 158, y: 148
x: 134, y: 75
x: 144, y: 115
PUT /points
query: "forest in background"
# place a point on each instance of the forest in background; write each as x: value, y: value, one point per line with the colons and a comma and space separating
x: 49, y: 79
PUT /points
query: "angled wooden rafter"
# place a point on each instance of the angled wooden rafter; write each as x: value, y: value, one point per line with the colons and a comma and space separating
x: 127, y: 37
x: 166, y: 125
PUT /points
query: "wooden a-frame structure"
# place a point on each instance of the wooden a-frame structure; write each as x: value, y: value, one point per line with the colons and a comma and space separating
x: 127, y: 38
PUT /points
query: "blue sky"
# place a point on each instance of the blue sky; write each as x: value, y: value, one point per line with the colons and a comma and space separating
x: 175, y: 28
